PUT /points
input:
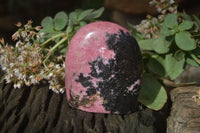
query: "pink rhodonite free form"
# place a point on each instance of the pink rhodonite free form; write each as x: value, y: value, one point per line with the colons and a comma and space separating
x: 103, y: 69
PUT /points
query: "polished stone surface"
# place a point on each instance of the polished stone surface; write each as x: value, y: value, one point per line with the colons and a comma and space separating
x: 103, y: 69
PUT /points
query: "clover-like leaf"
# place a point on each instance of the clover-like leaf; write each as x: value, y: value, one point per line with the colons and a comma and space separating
x: 82, y: 23
x: 161, y: 45
x: 60, y: 20
x: 156, y: 66
x: 184, y: 41
x: 186, y: 17
x: 197, y: 20
x: 47, y: 23
x: 186, y: 25
x: 152, y: 93
x: 73, y: 16
x: 69, y: 27
x: 85, y: 13
x: 173, y: 67
x: 171, y: 21
x: 95, y: 14
x: 179, y: 55
x: 146, y: 44
x: 166, y: 31
x: 192, y: 62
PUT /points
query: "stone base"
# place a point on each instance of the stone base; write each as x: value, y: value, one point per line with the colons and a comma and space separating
x: 185, y: 113
x: 37, y: 109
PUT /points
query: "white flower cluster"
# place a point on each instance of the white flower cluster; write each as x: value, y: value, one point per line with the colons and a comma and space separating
x: 150, y: 27
x: 164, y: 6
x: 23, y: 63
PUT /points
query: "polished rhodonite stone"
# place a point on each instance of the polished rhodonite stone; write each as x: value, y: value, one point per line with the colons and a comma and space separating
x: 103, y: 69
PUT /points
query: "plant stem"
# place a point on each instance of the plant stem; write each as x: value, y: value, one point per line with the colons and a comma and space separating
x: 53, y: 49
x: 194, y: 57
x: 197, y: 35
x: 52, y: 38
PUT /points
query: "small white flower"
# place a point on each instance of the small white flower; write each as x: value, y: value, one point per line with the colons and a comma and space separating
x: 42, y: 34
x: 31, y: 76
x: 24, y: 34
x: 50, y: 75
x: 11, y: 75
x: 28, y: 44
x: 61, y: 90
x: 159, y: 10
x: 15, y: 86
x: 16, y: 72
x: 4, y: 68
x: 7, y: 78
x: 34, y: 81
x: 18, y: 85
x: 20, y: 58
x: 171, y: 1
x: 11, y: 65
x: 58, y: 66
x: 151, y: 3
x: 28, y: 83
x: 20, y: 76
x: 18, y: 43
x: 55, y: 90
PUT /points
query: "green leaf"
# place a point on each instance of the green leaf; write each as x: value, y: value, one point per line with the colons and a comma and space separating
x: 179, y: 55
x: 171, y: 21
x: 186, y: 17
x: 47, y: 23
x: 152, y: 93
x: 196, y: 19
x: 155, y: 66
x: 82, y: 23
x: 186, y: 25
x: 95, y: 14
x: 85, y: 13
x: 146, y: 44
x: 60, y: 20
x: 173, y: 67
x: 78, y: 11
x: 184, y: 41
x: 161, y: 45
x: 63, y: 50
x: 192, y: 62
x: 73, y: 17
x: 76, y: 28
x: 69, y: 27
x: 196, y: 52
x: 166, y: 32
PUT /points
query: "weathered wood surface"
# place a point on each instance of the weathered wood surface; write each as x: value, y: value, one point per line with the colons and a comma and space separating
x: 37, y: 109
x: 185, y: 113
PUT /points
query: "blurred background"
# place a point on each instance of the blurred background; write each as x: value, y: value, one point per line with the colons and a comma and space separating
x: 119, y: 11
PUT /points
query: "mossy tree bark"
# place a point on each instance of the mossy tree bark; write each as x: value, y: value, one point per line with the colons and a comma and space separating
x: 185, y: 113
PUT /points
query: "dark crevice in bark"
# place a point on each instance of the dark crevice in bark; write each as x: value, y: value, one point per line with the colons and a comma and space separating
x: 8, y: 89
x: 58, y: 111
x: 49, y: 95
x: 103, y: 126
x: 23, y: 100
x: 93, y: 121
x: 23, y: 124
x: 44, y: 127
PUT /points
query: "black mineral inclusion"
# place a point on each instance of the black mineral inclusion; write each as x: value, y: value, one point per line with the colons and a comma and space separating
x: 117, y: 75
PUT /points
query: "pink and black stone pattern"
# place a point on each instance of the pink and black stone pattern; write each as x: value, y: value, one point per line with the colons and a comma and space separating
x: 103, y: 69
